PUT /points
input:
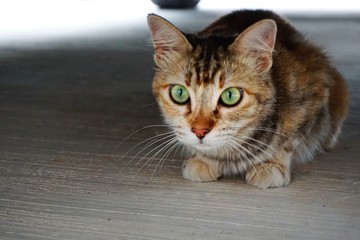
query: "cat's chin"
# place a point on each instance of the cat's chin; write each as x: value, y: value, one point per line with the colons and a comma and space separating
x: 205, y: 148
x: 210, y: 145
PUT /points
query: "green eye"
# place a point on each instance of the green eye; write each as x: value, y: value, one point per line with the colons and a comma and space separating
x: 179, y: 94
x: 231, y: 96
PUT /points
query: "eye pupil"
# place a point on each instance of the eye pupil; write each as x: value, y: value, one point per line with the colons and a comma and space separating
x: 229, y: 94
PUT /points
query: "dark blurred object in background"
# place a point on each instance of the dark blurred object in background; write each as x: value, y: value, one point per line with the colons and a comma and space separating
x: 176, y: 4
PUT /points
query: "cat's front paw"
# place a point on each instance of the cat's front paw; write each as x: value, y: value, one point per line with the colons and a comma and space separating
x: 199, y: 171
x: 268, y: 175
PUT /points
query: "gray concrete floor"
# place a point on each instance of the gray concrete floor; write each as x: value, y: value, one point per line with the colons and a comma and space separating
x: 66, y: 106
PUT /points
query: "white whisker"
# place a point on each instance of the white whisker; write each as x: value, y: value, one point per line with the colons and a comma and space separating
x: 260, y: 142
x: 162, y: 160
x: 139, y: 130
x: 251, y: 145
x: 259, y: 161
x: 154, y: 141
x: 233, y: 148
x: 170, y: 138
x: 162, y: 146
x: 149, y: 140
x: 273, y: 131
x: 270, y: 147
x: 149, y: 160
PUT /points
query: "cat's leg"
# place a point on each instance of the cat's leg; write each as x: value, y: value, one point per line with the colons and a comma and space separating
x: 271, y: 173
x: 201, y: 170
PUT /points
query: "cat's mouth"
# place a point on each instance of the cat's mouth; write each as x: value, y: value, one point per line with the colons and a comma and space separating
x: 199, y: 144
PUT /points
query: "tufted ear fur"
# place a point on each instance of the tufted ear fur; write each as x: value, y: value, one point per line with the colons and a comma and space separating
x: 259, y: 41
x: 167, y: 39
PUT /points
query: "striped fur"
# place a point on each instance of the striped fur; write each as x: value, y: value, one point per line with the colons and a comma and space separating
x: 294, y: 101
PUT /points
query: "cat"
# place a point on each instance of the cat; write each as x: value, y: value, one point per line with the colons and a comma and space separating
x: 247, y: 96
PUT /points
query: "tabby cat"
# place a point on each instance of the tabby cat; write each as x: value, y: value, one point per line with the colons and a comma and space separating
x: 248, y: 95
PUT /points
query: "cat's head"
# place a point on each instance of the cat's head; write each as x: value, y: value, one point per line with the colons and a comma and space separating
x: 212, y: 89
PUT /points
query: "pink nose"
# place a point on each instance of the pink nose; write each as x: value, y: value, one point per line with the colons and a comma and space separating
x: 200, y: 133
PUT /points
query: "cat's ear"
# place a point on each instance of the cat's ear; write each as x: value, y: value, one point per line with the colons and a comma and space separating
x: 167, y: 39
x: 259, y: 40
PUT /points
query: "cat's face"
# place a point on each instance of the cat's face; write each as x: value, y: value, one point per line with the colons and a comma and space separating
x: 211, y: 92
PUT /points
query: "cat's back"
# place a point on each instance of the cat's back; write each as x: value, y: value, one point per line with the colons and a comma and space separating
x: 236, y: 22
